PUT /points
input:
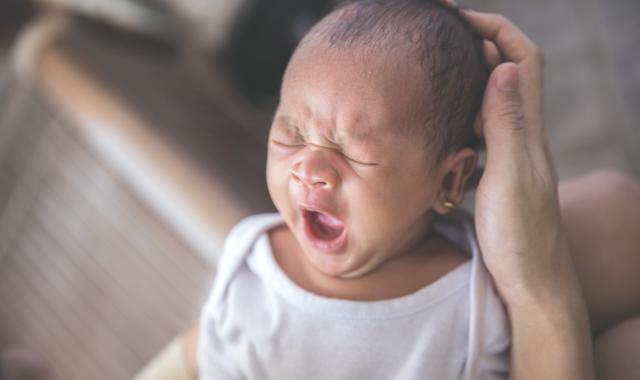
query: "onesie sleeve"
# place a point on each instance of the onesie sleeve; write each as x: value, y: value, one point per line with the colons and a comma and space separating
x: 218, y: 356
x: 215, y: 357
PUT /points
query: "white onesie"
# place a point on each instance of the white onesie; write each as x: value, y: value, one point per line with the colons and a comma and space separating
x: 258, y: 324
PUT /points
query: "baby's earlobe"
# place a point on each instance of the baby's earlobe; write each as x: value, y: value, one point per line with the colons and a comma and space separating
x: 449, y: 205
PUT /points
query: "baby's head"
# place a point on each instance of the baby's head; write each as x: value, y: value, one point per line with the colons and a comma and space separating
x: 373, y: 133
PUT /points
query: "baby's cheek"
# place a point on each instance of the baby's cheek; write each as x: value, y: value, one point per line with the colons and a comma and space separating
x: 276, y: 182
x: 394, y: 202
x: 370, y: 209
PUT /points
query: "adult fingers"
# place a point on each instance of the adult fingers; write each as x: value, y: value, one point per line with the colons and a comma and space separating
x: 502, y: 117
x: 491, y: 54
x: 450, y: 3
x: 512, y: 42
x: 515, y: 46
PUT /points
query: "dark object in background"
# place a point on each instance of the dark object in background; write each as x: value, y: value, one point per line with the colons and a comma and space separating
x: 262, y: 42
x: 13, y: 13
x: 14, y: 10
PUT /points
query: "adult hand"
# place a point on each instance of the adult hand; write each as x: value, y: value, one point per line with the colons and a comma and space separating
x: 517, y: 213
x: 517, y: 210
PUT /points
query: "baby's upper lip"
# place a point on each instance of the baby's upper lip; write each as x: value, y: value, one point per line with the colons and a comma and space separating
x: 318, y: 201
x: 318, y: 207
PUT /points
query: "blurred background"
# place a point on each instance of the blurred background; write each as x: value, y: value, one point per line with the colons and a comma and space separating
x: 132, y: 138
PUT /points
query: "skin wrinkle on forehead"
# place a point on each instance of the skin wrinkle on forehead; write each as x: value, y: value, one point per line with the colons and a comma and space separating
x: 354, y: 132
x: 381, y: 108
x: 359, y: 133
x: 393, y: 71
x: 362, y: 135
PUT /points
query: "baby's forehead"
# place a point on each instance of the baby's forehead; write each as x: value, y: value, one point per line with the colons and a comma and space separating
x: 395, y: 75
x: 358, y: 89
x: 396, y: 63
x: 414, y: 61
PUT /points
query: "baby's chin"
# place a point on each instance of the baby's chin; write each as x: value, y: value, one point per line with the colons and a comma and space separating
x: 348, y: 265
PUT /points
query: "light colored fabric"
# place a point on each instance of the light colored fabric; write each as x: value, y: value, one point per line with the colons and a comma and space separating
x: 170, y: 364
x: 258, y: 324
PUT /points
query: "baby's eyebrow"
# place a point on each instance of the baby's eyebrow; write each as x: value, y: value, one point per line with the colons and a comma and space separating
x: 357, y: 135
x: 363, y: 136
x: 286, y: 120
x: 289, y: 123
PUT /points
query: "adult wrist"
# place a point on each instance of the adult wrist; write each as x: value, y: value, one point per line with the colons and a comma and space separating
x: 553, y: 329
x: 553, y: 317
x: 544, y: 279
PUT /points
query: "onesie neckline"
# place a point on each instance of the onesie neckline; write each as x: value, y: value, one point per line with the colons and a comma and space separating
x: 262, y: 261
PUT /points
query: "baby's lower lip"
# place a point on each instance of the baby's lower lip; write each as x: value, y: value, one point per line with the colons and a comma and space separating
x: 332, y: 241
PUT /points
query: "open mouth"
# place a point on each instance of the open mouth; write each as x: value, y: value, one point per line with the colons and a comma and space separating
x: 324, y: 231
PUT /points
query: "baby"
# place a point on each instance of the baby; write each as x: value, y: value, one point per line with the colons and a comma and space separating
x: 367, y: 271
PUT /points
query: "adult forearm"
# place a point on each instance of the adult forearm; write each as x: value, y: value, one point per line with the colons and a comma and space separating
x: 551, y: 333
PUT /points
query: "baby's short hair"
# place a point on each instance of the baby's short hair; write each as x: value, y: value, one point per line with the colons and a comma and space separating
x: 449, y: 51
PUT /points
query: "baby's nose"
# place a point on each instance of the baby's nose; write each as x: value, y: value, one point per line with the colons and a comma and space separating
x: 315, y: 170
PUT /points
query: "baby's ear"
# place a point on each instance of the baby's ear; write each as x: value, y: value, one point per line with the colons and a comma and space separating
x: 456, y: 172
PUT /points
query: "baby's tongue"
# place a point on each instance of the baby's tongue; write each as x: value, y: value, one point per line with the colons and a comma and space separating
x: 326, y: 227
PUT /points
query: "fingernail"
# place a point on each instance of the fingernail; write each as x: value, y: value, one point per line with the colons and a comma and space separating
x: 507, y: 78
x: 450, y: 4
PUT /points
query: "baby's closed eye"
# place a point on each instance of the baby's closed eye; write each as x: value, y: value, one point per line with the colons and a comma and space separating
x: 359, y: 161
x: 289, y: 144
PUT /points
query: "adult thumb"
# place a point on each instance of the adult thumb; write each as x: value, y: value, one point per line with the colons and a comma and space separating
x: 503, y: 121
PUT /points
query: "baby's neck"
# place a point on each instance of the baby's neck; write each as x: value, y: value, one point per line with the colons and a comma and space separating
x: 400, y: 276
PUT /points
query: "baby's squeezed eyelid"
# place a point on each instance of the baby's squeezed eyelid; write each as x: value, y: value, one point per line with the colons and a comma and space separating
x: 287, y: 145
x: 301, y: 133
x: 339, y: 150
x: 360, y: 162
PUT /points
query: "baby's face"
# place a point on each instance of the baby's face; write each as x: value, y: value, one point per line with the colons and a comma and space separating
x: 346, y: 166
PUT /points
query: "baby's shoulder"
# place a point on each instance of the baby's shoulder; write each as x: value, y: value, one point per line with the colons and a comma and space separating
x: 246, y: 231
x: 237, y: 247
